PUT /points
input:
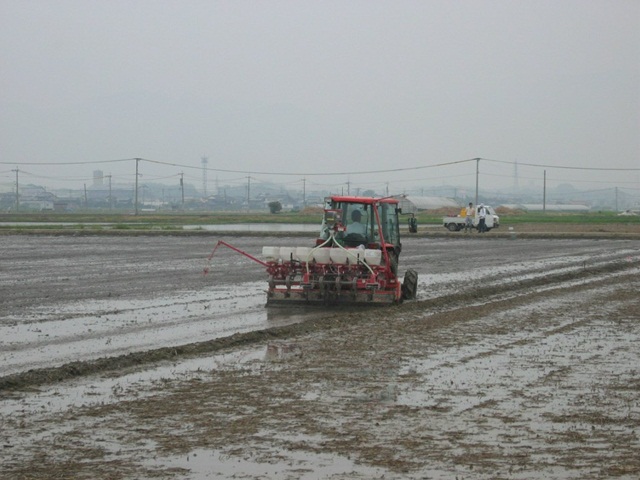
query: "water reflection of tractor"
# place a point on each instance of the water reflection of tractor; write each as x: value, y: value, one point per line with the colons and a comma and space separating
x: 354, y: 261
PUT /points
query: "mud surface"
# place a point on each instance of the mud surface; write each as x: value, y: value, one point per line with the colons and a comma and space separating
x: 119, y: 359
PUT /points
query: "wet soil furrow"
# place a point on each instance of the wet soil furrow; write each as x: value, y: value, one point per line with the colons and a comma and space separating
x: 479, y: 296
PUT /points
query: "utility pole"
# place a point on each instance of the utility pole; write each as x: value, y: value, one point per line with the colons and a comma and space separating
x: 205, y: 161
x: 136, y: 193
x: 477, y: 175
x: 544, y: 193
x: 110, y: 197
x: 17, y: 170
x: 248, y: 194
x: 182, y: 187
x: 86, y: 200
x: 304, y: 192
x: 616, y: 199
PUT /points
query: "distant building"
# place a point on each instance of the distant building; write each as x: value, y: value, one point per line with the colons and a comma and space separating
x: 539, y: 207
x: 36, y: 198
x: 413, y: 204
x: 98, y: 178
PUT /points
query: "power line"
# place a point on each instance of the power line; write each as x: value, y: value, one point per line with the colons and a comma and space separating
x: 564, y: 167
x: 555, y: 179
x: 390, y: 170
x: 69, y: 163
x: 253, y: 172
x: 152, y: 179
x: 47, y: 177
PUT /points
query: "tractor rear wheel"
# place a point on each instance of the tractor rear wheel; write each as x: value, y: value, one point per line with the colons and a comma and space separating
x: 410, y: 285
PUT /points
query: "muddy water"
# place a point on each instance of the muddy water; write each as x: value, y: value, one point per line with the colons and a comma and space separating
x: 68, y: 299
x: 518, y: 360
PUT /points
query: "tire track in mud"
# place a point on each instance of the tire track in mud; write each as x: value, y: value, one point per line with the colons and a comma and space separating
x: 519, y: 271
x: 488, y: 296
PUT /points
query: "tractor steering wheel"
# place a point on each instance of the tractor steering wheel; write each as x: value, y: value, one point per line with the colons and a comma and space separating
x: 355, y: 239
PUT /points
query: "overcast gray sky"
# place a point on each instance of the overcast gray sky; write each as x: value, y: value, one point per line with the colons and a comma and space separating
x: 322, y: 86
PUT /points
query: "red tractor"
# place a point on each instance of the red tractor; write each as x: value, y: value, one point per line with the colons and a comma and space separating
x: 354, y: 260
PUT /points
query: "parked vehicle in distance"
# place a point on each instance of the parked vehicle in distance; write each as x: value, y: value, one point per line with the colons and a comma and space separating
x: 496, y: 217
x: 456, y: 223
x: 629, y: 213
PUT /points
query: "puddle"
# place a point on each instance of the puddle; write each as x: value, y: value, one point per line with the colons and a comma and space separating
x: 435, y: 284
x: 283, y: 464
x: 45, y: 337
x: 241, y: 227
x: 256, y: 227
x: 542, y: 385
x: 104, y: 390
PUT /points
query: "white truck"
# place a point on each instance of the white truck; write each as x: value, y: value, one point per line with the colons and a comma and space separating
x: 456, y: 223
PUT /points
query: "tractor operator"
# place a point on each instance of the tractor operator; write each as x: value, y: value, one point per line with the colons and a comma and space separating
x: 355, y: 226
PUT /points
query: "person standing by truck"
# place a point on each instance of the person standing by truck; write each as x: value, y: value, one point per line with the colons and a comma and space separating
x: 482, y: 219
x: 468, y: 218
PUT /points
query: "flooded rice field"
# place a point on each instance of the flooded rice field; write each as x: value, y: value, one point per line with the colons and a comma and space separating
x: 120, y: 359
